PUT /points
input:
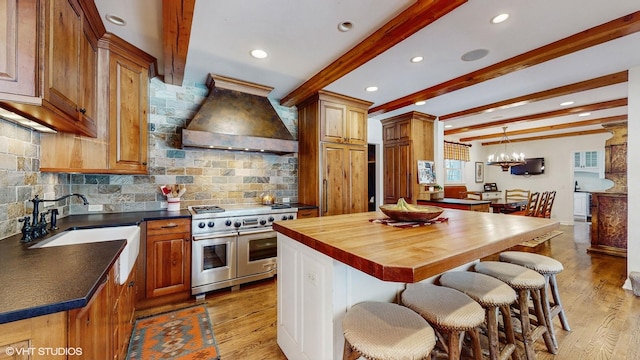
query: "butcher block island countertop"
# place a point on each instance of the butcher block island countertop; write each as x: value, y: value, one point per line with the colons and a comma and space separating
x: 328, y: 264
x: 413, y: 254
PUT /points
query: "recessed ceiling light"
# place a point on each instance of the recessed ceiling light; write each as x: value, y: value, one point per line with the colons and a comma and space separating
x: 566, y: 103
x: 499, y: 18
x: 371, y: 88
x: 258, y: 54
x: 584, y: 114
x: 420, y: 103
x: 474, y: 55
x: 448, y: 126
x: 416, y: 59
x: 115, y: 20
x: 345, y: 26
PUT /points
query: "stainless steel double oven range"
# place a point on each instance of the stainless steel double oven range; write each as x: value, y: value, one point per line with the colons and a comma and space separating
x: 234, y: 244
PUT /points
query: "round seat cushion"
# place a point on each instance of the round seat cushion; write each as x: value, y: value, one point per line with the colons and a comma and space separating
x: 518, y: 277
x: 540, y: 263
x: 486, y: 290
x: 443, y: 307
x: 381, y: 330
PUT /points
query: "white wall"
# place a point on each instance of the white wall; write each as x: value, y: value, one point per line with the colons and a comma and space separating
x: 558, y: 176
x: 633, y: 173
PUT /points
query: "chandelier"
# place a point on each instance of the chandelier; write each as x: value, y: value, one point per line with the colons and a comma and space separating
x: 504, y: 160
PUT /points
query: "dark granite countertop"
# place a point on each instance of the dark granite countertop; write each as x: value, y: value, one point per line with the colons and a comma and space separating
x: 36, y: 282
x: 303, y: 206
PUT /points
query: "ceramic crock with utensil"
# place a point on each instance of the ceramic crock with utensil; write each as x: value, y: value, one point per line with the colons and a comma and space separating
x: 267, y: 199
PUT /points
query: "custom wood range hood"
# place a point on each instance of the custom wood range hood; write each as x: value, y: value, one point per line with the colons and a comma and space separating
x: 238, y: 116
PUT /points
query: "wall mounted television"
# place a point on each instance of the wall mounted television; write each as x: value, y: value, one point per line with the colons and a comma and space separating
x: 533, y: 166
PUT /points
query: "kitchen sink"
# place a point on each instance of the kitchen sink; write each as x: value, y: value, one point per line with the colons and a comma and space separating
x: 84, y: 236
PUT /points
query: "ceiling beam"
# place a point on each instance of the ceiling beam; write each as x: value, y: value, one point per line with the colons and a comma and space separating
x: 407, y: 23
x: 541, y: 116
x: 554, y: 136
x: 605, y: 120
x: 611, y: 79
x: 611, y: 30
x: 177, y: 16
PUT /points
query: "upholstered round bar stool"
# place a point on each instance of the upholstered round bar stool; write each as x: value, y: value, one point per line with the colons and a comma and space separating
x: 493, y: 295
x: 450, y: 312
x: 527, y: 283
x: 386, y: 331
x: 548, y: 267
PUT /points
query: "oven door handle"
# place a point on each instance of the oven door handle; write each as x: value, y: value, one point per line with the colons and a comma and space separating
x: 215, y: 236
x: 252, y: 232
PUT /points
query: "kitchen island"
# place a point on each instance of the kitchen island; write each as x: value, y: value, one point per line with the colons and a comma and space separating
x: 327, y: 264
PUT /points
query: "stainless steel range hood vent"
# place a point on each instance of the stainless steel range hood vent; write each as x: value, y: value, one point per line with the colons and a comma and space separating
x: 238, y: 116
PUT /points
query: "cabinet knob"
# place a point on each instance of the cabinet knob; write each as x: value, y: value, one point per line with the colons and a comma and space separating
x: 83, y: 110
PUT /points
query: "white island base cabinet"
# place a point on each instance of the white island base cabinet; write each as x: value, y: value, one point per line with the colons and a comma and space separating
x: 314, y: 293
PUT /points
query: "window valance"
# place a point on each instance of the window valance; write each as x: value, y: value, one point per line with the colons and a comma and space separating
x: 456, y: 151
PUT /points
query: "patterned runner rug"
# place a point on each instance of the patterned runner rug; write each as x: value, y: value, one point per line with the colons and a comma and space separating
x: 180, y: 334
x: 542, y: 238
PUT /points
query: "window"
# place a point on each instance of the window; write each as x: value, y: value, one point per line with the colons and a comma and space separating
x: 455, y: 157
x: 454, y: 171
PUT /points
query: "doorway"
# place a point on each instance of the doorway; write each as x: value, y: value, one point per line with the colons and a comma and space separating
x: 372, y: 175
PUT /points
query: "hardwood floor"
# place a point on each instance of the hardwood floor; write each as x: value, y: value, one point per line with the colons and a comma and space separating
x: 605, y: 319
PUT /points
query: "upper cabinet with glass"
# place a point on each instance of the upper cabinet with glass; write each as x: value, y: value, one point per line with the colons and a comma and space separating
x: 589, y: 161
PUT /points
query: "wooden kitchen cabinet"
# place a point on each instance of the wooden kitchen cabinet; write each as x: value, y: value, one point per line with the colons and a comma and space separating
x: 18, y: 50
x: 122, y: 314
x: 168, y: 257
x: 407, y: 138
x: 332, y: 154
x: 128, y: 94
x: 343, y: 123
x: 46, y: 331
x: 90, y: 326
x: 71, y: 63
x: 344, y: 179
x: 306, y: 213
x: 121, y: 145
x: 398, y: 171
x: 63, y: 94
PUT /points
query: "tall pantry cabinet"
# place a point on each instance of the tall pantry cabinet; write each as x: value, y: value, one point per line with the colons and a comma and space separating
x: 332, y: 153
x: 406, y: 138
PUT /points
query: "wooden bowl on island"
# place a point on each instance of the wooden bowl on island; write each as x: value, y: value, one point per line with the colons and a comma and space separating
x: 416, y: 213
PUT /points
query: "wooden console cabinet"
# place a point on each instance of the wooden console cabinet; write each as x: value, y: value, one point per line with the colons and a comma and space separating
x: 609, y: 223
x: 407, y: 138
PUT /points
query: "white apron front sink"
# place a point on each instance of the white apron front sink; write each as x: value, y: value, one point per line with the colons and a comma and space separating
x: 84, y: 236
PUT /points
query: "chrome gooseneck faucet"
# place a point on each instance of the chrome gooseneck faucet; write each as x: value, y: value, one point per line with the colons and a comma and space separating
x: 38, y: 226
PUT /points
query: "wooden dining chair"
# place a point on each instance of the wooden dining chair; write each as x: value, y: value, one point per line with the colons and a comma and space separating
x: 531, y: 207
x: 542, y: 203
x: 545, y: 211
x: 515, y: 195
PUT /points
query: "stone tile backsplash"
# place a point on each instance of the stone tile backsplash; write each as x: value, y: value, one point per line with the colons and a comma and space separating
x: 210, y: 176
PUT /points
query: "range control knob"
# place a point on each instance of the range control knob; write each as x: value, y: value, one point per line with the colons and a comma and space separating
x: 263, y: 221
x: 290, y: 217
x: 211, y: 224
x: 271, y: 219
x: 228, y: 222
x: 237, y: 224
x: 284, y: 217
x: 201, y: 225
